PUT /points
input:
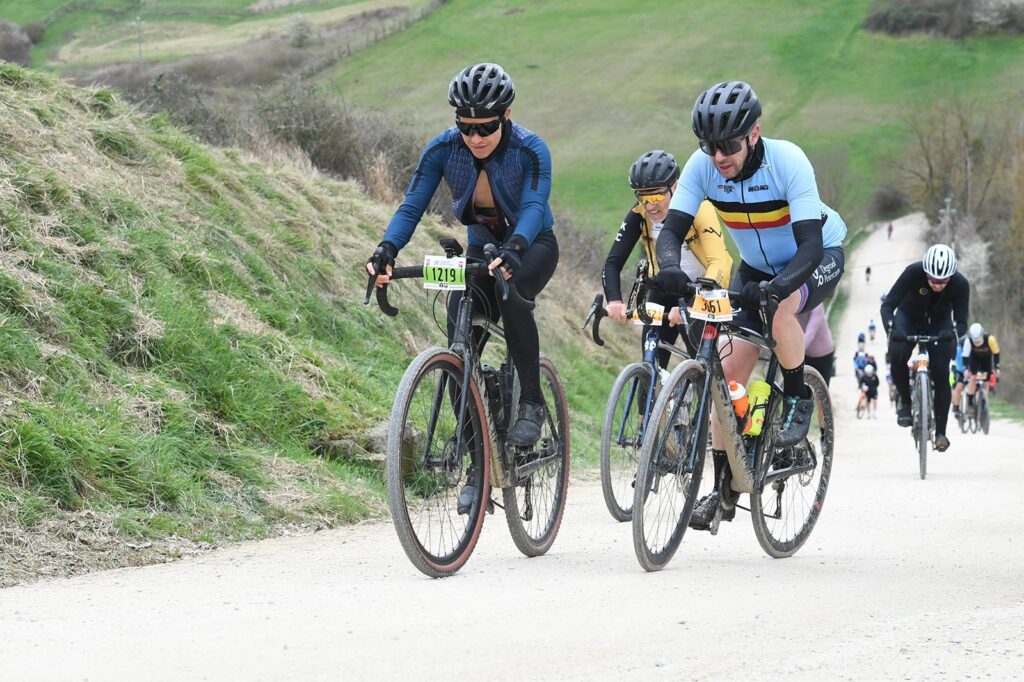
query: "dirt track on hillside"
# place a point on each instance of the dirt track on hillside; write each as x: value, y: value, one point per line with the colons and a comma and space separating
x: 902, y: 578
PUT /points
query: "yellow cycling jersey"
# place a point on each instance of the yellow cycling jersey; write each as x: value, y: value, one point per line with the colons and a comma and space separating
x: 704, y: 240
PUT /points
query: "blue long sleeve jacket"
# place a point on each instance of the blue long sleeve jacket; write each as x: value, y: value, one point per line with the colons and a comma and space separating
x: 519, y: 173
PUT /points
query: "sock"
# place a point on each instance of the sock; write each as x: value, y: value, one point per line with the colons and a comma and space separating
x: 718, y: 458
x: 793, y: 382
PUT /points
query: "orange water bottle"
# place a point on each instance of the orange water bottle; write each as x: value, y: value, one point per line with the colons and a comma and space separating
x: 738, y: 395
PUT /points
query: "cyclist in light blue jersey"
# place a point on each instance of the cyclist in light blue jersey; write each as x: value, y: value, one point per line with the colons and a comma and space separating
x: 766, y: 196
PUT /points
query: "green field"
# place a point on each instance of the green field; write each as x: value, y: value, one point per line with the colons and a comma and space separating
x: 604, y: 81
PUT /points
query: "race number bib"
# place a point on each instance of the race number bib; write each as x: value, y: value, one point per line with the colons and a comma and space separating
x: 656, y: 311
x: 444, y: 273
x: 711, y: 306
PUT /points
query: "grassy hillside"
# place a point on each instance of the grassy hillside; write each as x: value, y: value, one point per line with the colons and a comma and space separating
x: 603, y: 81
x: 179, y: 326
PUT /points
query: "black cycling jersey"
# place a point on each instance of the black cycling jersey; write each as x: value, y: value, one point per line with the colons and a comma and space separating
x: 927, y: 310
x: 628, y: 236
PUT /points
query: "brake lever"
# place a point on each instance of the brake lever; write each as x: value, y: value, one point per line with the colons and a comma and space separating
x: 597, y: 312
x: 767, y: 316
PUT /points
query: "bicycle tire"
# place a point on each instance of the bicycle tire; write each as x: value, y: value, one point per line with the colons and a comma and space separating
x: 619, y: 460
x: 658, y: 473
x: 983, y: 414
x: 437, y: 549
x: 534, y: 535
x: 797, y: 515
x: 921, y: 426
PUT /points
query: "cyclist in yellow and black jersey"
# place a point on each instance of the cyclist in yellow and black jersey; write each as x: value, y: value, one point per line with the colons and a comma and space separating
x: 980, y: 355
x: 654, y: 177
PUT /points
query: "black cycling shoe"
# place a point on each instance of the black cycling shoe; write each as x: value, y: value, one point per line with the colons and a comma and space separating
x: 903, y: 417
x: 956, y: 411
x: 704, y: 513
x: 941, y: 443
x: 468, y: 492
x: 796, y: 421
x: 526, y: 430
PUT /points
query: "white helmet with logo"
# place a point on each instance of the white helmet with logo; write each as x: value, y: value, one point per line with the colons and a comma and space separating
x: 976, y: 331
x: 939, y: 262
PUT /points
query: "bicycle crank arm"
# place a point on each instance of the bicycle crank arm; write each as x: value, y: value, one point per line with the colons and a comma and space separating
x: 524, y: 471
x: 786, y: 473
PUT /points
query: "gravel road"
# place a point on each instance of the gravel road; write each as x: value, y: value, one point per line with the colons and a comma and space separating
x: 902, y: 579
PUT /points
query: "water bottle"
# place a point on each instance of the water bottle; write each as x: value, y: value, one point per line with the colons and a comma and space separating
x: 757, y: 396
x: 738, y: 395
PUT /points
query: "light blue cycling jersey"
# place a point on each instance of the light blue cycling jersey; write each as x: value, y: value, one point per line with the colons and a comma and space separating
x: 760, y: 211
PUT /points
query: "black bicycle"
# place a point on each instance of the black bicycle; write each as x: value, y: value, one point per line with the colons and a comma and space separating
x: 922, y: 401
x: 631, y: 400
x: 977, y: 413
x: 787, y: 485
x: 446, y: 446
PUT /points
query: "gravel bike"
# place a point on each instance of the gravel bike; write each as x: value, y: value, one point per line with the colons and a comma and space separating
x: 630, y: 402
x: 976, y: 415
x: 922, y: 404
x: 787, y: 486
x: 446, y: 444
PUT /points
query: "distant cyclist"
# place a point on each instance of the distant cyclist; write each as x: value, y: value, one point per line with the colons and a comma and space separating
x: 653, y: 178
x: 867, y: 274
x: 766, y: 196
x: 871, y: 329
x: 860, y: 341
x: 869, y: 391
x: 981, y: 356
x: 860, y: 361
x: 929, y: 298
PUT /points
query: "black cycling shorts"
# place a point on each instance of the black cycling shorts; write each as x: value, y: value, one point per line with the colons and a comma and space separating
x: 817, y: 288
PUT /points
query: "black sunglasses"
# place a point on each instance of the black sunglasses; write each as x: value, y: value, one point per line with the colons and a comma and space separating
x: 728, y: 147
x: 485, y: 129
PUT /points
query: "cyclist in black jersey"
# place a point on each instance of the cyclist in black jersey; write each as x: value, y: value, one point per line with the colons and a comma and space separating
x: 653, y: 177
x: 499, y: 174
x: 930, y: 298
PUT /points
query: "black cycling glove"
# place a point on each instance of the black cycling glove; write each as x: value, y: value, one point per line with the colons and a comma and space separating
x: 383, y: 256
x: 671, y: 280
x: 511, y: 254
x: 750, y: 295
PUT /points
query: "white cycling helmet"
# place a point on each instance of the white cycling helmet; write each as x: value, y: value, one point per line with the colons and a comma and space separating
x: 939, y: 262
x: 976, y: 331
x: 869, y: 369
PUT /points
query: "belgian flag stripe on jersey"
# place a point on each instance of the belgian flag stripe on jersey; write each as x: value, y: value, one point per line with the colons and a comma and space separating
x: 740, y: 216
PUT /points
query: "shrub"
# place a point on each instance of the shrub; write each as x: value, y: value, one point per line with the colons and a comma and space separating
x: 14, y: 43
x: 887, y: 202
x: 34, y: 30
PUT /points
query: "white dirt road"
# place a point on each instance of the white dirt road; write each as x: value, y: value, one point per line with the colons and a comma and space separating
x: 902, y: 579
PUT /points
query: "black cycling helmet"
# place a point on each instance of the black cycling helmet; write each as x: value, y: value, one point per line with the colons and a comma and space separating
x: 481, y: 90
x: 656, y: 168
x: 725, y: 111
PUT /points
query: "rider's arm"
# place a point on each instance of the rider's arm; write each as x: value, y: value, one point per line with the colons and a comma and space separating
x: 533, y: 201
x: 961, y: 301
x: 809, y: 251
x: 625, y: 240
x: 899, y: 289
x: 709, y: 247
x: 685, y: 204
x: 425, y: 180
x: 961, y: 353
x: 994, y: 346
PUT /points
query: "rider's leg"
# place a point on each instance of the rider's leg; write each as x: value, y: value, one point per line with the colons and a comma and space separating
x: 823, y: 364
x: 538, y: 265
x: 940, y: 354
x: 737, y: 367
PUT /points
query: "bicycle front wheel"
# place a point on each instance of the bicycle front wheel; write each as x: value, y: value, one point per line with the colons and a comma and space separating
x: 785, y: 511
x: 429, y: 464
x: 535, y: 504
x: 983, y: 415
x: 671, y: 463
x: 921, y: 424
x: 621, y: 435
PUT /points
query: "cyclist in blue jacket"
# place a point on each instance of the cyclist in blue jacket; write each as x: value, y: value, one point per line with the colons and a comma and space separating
x: 499, y: 174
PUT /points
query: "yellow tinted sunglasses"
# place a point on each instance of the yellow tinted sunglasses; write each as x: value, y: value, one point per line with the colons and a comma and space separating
x: 644, y: 199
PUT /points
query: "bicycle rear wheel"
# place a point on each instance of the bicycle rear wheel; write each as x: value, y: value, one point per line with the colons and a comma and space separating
x: 671, y: 463
x: 425, y: 472
x: 535, y: 504
x: 785, y: 511
x: 621, y: 435
x: 922, y: 432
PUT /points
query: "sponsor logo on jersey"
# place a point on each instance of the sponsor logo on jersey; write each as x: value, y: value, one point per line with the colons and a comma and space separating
x: 758, y: 188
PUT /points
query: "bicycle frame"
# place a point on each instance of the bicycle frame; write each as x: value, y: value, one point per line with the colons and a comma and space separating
x: 652, y: 344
